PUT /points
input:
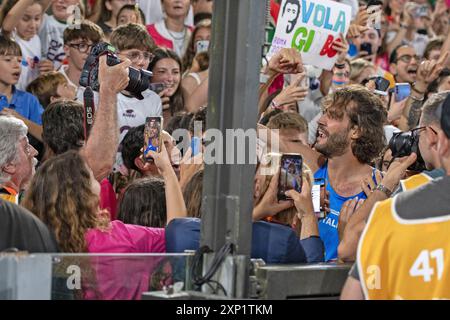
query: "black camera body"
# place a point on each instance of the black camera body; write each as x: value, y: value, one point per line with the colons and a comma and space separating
x: 402, y: 144
x: 139, y: 79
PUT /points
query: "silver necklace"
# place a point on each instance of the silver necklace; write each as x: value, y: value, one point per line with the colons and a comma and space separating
x: 173, y: 36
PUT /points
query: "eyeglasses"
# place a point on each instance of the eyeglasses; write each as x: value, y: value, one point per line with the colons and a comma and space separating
x: 420, y: 129
x: 407, y: 58
x: 135, y: 56
x: 82, y: 47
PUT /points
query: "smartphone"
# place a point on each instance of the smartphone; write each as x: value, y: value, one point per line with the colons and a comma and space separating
x: 201, y: 46
x: 152, y: 136
x: 196, y: 144
x: 290, y: 174
x: 157, y: 87
x: 318, y: 197
x: 367, y: 47
x: 421, y: 11
x: 402, y: 91
x: 381, y: 85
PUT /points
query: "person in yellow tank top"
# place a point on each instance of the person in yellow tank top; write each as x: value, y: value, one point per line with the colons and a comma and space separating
x: 429, y: 126
x: 404, y: 251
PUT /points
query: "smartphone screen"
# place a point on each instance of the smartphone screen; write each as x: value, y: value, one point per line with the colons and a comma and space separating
x: 381, y: 85
x: 202, y: 46
x: 367, y: 47
x: 290, y: 174
x: 402, y: 91
x: 152, y: 136
x: 196, y: 144
x: 318, y: 197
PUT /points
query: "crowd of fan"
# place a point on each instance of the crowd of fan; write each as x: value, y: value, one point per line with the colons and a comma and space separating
x: 99, y: 195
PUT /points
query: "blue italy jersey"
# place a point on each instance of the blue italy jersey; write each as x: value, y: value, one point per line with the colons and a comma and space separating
x: 328, y: 227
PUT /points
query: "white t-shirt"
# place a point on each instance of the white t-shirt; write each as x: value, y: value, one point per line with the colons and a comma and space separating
x: 153, y: 12
x: 31, y: 55
x: 132, y: 112
x: 180, y: 39
x: 51, y: 34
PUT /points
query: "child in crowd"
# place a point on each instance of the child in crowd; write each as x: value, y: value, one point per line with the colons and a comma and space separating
x: 77, y: 46
x: 22, y: 20
x: 51, y: 87
x: 64, y: 13
x: 130, y: 14
x: 20, y: 104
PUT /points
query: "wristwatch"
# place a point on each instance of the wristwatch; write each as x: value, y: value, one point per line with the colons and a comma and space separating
x: 384, y: 189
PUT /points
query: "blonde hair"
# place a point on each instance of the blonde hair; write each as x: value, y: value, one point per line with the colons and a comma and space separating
x: 358, y: 66
x: 132, y: 36
x: 45, y: 86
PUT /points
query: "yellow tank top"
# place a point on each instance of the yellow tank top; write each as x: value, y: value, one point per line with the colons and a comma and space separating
x: 404, y: 259
x: 415, y: 181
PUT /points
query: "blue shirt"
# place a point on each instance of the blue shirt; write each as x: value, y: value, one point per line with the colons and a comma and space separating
x: 25, y: 104
x: 328, y: 227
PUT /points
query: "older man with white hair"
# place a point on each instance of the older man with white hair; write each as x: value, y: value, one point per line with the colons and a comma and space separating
x: 17, y: 158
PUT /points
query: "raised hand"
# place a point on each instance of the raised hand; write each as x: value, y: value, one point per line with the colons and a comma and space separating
x: 341, y: 46
x: 397, y: 171
x: 115, y: 77
x: 269, y: 205
x: 292, y: 93
x: 302, y: 201
x: 286, y: 61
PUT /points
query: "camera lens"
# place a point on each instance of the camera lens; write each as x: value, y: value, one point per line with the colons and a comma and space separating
x: 139, y: 81
x: 401, y: 144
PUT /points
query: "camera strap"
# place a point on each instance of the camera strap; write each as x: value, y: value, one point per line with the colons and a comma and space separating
x: 89, y: 110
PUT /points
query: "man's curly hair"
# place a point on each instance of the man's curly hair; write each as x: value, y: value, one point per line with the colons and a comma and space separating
x: 365, y: 111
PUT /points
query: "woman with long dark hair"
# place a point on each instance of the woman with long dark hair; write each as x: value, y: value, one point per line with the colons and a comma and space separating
x: 167, y: 69
x: 65, y: 196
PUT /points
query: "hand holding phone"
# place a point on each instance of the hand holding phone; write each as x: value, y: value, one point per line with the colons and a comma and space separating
x: 152, y: 136
x: 196, y: 145
x: 318, y: 196
x: 291, y: 167
x: 201, y: 46
x: 157, y: 87
x: 381, y: 85
x: 367, y: 47
x: 402, y: 91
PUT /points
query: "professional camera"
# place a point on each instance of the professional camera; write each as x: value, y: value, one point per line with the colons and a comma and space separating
x: 402, y: 144
x: 139, y: 79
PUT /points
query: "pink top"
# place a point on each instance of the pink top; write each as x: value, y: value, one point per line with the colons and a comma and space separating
x: 126, y: 238
x: 122, y: 277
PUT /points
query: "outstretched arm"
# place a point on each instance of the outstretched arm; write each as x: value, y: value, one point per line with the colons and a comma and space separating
x: 101, y: 147
x: 175, y: 205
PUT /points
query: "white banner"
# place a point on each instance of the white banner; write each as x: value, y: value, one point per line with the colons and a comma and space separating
x: 311, y: 26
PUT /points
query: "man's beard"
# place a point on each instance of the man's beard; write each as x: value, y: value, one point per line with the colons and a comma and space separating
x: 336, y: 144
